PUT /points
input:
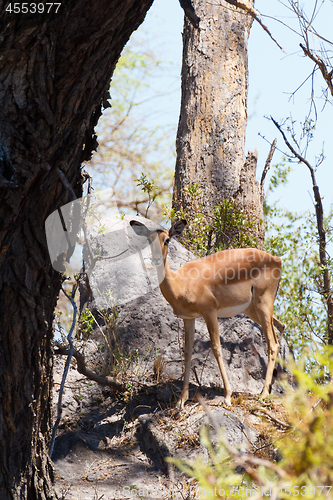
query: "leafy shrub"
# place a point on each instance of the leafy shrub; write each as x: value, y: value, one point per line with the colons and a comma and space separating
x: 227, y: 227
x: 306, y: 449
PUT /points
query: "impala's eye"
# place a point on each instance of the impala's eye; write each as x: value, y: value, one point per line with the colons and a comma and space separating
x: 166, y: 241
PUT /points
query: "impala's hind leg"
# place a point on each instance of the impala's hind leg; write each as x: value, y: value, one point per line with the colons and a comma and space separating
x: 189, y: 327
x: 262, y: 313
x: 273, y: 349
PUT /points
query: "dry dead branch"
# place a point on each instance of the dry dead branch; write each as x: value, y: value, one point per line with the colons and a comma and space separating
x: 268, y: 162
x: 91, y: 375
x: 322, y: 243
x: 258, y: 409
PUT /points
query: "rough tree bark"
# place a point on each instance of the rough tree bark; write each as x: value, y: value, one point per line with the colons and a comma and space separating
x: 55, y: 72
x: 213, y: 117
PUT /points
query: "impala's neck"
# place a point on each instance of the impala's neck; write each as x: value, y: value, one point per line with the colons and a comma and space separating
x: 166, y: 280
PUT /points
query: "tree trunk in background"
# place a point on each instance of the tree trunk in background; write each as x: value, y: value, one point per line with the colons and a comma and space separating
x: 213, y: 117
x: 55, y: 73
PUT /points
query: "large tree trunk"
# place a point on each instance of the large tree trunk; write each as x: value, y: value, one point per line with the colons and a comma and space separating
x: 213, y: 117
x: 55, y: 73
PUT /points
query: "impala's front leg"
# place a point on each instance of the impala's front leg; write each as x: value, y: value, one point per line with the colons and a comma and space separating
x: 213, y: 328
x: 189, y: 326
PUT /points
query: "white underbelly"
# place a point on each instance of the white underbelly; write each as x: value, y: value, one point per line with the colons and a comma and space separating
x: 229, y: 312
x: 225, y: 312
x: 187, y: 315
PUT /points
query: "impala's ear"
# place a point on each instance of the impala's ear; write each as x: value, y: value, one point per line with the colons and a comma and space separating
x: 177, y: 228
x: 140, y: 229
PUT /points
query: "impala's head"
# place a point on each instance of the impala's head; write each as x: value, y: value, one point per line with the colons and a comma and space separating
x: 158, y: 238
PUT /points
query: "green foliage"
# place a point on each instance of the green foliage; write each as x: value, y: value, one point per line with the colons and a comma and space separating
x: 114, y: 359
x: 228, y: 227
x: 86, y: 325
x: 306, y: 466
x: 278, y: 178
x: 300, y: 303
x: 147, y: 186
x: 217, y: 477
x: 307, y: 450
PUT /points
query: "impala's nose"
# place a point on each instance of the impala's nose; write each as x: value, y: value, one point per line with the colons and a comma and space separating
x: 157, y: 261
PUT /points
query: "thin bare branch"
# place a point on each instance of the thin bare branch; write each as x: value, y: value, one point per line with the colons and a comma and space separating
x: 268, y: 162
x: 327, y: 75
x: 303, y: 83
x: 294, y: 152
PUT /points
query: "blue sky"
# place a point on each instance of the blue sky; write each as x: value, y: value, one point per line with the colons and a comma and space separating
x: 273, y: 76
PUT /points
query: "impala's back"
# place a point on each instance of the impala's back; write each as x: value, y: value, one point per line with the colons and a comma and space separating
x: 227, y: 281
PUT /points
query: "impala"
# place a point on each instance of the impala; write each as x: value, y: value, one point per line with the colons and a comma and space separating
x: 220, y: 285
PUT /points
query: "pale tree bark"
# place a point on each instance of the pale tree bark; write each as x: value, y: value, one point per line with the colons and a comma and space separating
x: 55, y: 72
x: 213, y: 117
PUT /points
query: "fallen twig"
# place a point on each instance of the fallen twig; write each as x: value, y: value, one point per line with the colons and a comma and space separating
x: 272, y: 417
x: 81, y: 368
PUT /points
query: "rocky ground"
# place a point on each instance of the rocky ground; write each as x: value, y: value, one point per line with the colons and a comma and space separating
x: 113, y: 446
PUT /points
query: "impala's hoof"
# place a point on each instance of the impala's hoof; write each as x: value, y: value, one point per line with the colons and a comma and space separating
x: 180, y: 405
x: 227, y: 401
x: 264, y: 394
